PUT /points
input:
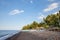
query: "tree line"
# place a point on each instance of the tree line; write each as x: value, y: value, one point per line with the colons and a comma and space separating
x: 52, y: 20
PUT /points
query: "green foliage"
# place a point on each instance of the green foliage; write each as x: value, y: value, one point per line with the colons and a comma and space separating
x: 26, y: 27
x: 34, y: 24
x: 31, y: 26
x: 51, y: 20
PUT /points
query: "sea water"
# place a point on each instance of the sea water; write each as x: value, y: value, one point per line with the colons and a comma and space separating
x: 4, y: 34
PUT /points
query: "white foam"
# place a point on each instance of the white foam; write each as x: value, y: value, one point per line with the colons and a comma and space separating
x: 7, y: 36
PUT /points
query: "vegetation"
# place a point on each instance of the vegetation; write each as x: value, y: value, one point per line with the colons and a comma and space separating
x: 31, y: 26
x: 52, y: 20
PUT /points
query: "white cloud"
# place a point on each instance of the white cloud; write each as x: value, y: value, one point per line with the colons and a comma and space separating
x: 55, y: 12
x: 41, y: 16
x: 51, y: 7
x: 16, y: 11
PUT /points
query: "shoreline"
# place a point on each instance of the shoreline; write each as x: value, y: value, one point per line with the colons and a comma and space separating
x: 8, y: 35
x: 35, y: 35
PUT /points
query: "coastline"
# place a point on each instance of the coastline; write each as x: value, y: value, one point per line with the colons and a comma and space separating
x: 3, y: 37
x: 35, y: 35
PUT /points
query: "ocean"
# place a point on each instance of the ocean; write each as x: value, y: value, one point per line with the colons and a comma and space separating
x: 7, y: 33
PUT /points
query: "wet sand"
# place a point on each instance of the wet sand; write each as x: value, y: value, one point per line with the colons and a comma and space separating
x: 36, y: 35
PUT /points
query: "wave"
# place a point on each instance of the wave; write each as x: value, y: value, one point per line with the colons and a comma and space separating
x: 3, y: 37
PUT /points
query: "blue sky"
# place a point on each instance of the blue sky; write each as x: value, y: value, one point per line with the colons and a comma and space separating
x: 14, y: 14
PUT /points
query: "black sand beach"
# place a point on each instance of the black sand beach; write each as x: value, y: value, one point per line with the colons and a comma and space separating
x: 36, y: 35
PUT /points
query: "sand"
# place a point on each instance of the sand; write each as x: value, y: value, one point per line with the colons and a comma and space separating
x: 36, y: 35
